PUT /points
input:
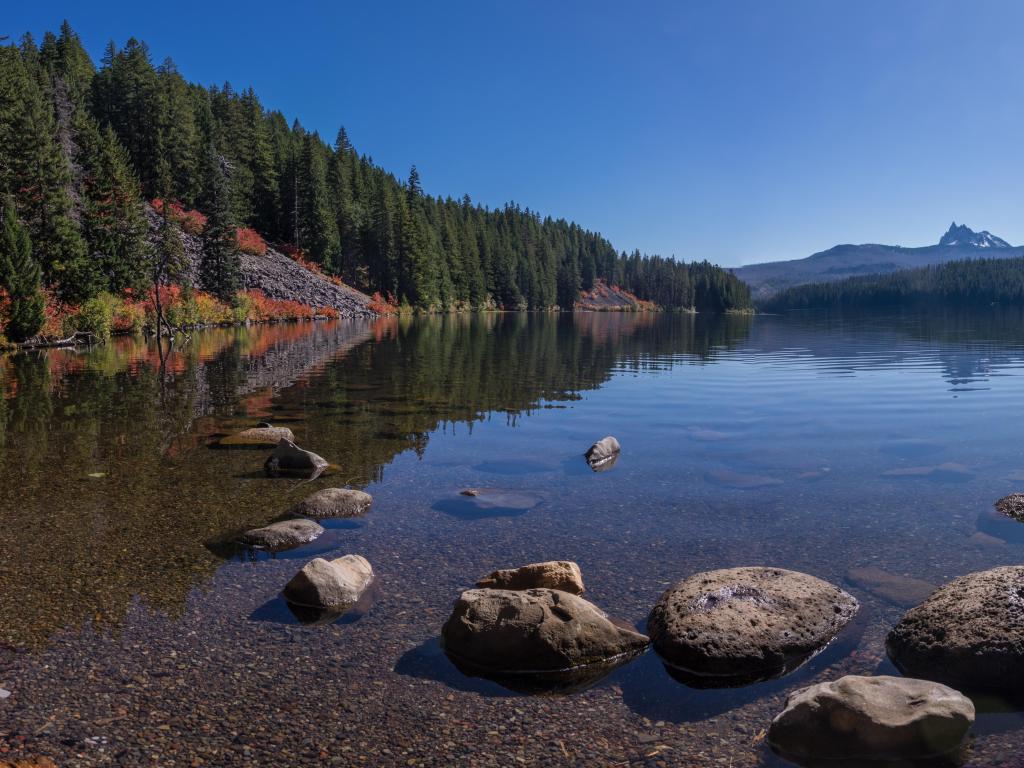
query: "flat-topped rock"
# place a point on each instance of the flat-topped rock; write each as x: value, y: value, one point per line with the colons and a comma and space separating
x: 330, y: 583
x: 871, y: 718
x: 257, y: 437
x: 1012, y: 506
x: 564, y: 575
x: 334, y: 502
x: 745, y: 624
x: 535, y: 630
x: 282, y: 535
x: 969, y: 633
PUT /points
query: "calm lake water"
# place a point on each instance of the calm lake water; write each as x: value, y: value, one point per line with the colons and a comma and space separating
x: 807, y: 442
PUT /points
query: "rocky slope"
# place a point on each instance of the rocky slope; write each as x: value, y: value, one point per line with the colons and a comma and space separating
x: 279, y: 277
x: 842, y: 261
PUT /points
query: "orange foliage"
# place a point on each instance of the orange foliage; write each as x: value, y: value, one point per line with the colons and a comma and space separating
x: 383, y: 306
x: 192, y: 222
x: 249, y: 241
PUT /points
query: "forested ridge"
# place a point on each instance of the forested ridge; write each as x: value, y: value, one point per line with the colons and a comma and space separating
x: 960, y: 283
x: 82, y: 148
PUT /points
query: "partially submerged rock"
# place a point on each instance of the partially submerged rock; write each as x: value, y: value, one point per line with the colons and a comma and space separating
x: 871, y: 718
x: 533, y: 631
x: 905, y: 591
x: 740, y: 625
x: 605, y: 451
x: 554, y: 574
x: 288, y: 458
x: 282, y: 535
x: 475, y: 503
x: 1012, y: 506
x: 257, y: 437
x: 333, y: 502
x: 968, y: 633
x: 330, y: 583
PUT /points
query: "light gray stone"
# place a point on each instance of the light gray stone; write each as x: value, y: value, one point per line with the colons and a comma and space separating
x: 330, y: 583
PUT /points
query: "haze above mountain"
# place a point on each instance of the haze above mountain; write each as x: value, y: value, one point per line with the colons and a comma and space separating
x: 841, y: 261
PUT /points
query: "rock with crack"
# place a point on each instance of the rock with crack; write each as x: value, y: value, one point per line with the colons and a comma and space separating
x: 603, y: 453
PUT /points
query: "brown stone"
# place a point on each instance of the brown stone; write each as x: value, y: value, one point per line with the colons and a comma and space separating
x: 554, y: 574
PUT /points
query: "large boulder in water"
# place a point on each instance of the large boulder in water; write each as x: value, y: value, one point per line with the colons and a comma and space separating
x: 330, y: 583
x: 740, y: 625
x: 554, y: 574
x: 603, y: 453
x: 257, y: 437
x: 282, y: 535
x: 1012, y: 506
x: 969, y: 633
x: 333, y: 502
x: 871, y: 718
x: 288, y: 458
x: 536, y: 630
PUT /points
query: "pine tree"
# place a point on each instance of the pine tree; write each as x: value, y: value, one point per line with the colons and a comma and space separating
x: 221, y: 267
x: 20, y: 277
x: 115, y: 224
x: 317, y: 228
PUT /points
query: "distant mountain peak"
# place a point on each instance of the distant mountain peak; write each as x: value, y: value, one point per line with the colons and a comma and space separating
x: 964, y: 235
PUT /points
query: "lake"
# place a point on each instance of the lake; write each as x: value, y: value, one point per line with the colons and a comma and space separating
x: 851, y: 448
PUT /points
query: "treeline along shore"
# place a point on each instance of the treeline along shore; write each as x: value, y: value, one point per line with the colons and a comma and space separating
x: 104, y: 169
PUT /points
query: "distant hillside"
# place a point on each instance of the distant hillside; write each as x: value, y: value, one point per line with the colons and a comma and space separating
x: 84, y: 147
x: 958, y: 244
x: 969, y: 282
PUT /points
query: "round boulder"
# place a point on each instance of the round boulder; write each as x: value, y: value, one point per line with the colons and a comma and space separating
x: 740, y: 625
x: 554, y: 574
x: 334, y: 502
x: 969, y: 633
x: 330, y: 583
x: 280, y: 536
x: 871, y: 718
x: 536, y: 630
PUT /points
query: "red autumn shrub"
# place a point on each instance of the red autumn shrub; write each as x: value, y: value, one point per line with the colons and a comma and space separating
x: 383, y: 306
x: 249, y: 241
x: 192, y: 222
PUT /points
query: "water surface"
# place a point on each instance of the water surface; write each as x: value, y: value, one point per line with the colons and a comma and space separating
x: 816, y: 443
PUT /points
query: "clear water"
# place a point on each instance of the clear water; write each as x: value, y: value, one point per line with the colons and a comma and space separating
x: 807, y: 442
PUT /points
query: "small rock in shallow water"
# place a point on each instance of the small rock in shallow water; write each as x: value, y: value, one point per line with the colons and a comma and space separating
x: 4, y: 693
x: 280, y: 536
x: 904, y: 591
x: 605, y: 450
x: 740, y: 625
x: 257, y: 437
x: 1012, y: 506
x: 969, y: 633
x: 871, y: 718
x: 533, y: 631
x: 554, y: 574
x: 333, y: 502
x: 288, y: 458
x: 330, y: 583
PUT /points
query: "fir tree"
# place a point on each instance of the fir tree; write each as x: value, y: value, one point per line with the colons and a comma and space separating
x: 221, y: 268
x: 20, y: 277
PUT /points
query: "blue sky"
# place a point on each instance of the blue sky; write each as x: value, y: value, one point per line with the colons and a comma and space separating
x: 732, y: 131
